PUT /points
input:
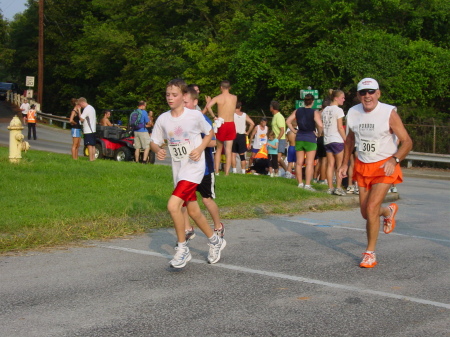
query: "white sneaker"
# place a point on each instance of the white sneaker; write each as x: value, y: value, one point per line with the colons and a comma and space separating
x: 309, y: 188
x: 234, y: 170
x: 330, y: 191
x: 393, y: 189
x: 214, y: 250
x: 181, y: 257
x: 243, y: 171
x: 288, y: 175
x: 350, y: 189
x: 339, y: 191
x: 301, y: 185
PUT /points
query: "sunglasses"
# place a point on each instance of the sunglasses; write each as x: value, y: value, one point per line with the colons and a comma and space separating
x: 367, y: 91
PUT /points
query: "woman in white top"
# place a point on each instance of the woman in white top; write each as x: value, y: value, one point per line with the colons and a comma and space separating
x: 334, y: 138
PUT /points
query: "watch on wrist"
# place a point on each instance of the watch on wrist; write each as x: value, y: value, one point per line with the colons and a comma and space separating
x: 396, y: 159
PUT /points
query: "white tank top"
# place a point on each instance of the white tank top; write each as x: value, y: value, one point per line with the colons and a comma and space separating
x: 260, y: 137
x: 373, y: 139
x: 239, y: 122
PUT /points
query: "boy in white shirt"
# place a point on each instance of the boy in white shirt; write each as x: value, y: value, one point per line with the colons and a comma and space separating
x: 182, y: 129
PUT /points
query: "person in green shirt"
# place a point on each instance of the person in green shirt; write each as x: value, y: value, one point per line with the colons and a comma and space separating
x: 279, y: 128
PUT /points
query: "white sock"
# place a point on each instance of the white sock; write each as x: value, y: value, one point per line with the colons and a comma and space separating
x: 182, y: 244
x: 214, y: 239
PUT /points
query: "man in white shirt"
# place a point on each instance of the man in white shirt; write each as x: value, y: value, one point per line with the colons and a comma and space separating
x: 24, y: 107
x: 89, y: 120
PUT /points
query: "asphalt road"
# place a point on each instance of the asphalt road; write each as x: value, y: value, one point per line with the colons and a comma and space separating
x: 293, y: 275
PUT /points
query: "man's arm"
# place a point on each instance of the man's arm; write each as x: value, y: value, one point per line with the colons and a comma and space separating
x: 396, y: 125
x: 349, y: 145
x: 209, y: 106
x: 197, y: 152
x: 250, y: 122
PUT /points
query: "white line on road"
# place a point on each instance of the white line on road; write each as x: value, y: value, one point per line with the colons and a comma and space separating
x: 290, y: 277
x: 309, y: 223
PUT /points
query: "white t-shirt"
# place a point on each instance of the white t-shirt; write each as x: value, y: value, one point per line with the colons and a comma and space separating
x: 183, y: 134
x: 373, y: 138
x: 25, y: 106
x: 260, y: 137
x: 330, y: 116
x: 239, y: 122
x: 90, y: 119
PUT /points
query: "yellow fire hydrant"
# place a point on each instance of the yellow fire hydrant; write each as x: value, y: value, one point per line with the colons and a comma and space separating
x: 16, y: 143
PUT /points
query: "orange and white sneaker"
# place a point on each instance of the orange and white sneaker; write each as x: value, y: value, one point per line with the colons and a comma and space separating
x: 369, y: 260
x: 389, y: 222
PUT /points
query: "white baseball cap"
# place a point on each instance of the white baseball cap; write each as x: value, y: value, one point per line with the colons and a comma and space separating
x: 368, y: 83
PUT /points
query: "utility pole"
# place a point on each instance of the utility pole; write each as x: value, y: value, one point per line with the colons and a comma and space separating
x: 41, y: 54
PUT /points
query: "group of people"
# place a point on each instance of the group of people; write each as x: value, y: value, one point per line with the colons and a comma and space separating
x: 374, y: 143
x: 375, y: 135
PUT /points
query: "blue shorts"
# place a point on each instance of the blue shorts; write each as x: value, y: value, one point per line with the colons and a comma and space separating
x: 334, y: 148
x: 76, y: 133
x: 292, y: 155
x: 89, y: 139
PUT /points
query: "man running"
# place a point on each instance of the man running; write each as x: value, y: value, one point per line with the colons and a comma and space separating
x: 373, y: 127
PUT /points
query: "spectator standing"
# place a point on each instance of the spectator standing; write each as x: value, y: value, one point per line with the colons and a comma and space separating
x: 308, y: 120
x: 272, y: 149
x: 31, y: 121
x: 89, y: 119
x: 240, y: 142
x: 76, y: 127
x: 24, y: 107
x: 258, y: 138
x: 141, y: 135
x: 226, y: 129
x: 373, y: 127
x: 279, y: 128
x: 334, y: 137
x: 291, y: 153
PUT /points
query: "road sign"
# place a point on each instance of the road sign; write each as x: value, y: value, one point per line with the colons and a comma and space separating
x: 29, y: 93
x: 29, y: 81
x: 315, y: 93
x: 316, y: 105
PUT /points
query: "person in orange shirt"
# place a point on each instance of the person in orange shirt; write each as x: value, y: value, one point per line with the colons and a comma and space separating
x: 31, y: 121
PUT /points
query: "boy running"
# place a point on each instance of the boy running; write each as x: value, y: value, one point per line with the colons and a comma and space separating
x: 207, y: 187
x: 182, y: 129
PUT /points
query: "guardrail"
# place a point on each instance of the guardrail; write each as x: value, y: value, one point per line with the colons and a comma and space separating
x: 52, y: 118
x: 432, y: 157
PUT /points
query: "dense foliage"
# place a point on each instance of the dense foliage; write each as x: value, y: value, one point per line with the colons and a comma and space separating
x: 115, y: 52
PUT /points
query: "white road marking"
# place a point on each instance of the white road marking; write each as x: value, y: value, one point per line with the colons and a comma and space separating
x: 290, y: 277
x: 324, y: 224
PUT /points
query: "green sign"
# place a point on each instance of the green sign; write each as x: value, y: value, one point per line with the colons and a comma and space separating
x: 316, y: 105
x: 303, y: 93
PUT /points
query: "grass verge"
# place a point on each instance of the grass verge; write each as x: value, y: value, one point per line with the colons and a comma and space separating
x: 49, y: 199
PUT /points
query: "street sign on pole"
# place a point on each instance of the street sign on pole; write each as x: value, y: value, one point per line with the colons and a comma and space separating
x: 303, y: 93
x: 316, y: 105
x: 29, y: 81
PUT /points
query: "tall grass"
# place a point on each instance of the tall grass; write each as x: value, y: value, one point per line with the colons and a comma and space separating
x: 49, y: 199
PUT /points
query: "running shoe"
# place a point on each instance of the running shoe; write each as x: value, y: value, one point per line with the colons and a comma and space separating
x: 389, y: 222
x: 190, y: 234
x: 288, y: 175
x: 309, y: 188
x: 301, y: 185
x: 330, y: 191
x: 393, y: 189
x: 220, y: 232
x: 339, y: 191
x: 369, y: 260
x: 215, y: 249
x: 182, y: 256
x: 323, y: 182
x: 356, y: 190
x: 350, y: 189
